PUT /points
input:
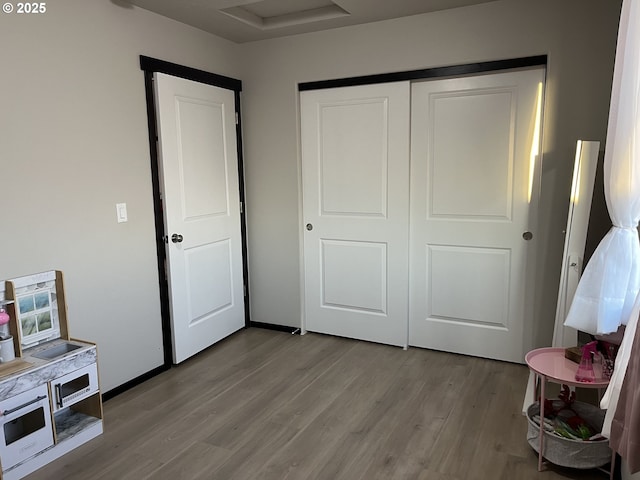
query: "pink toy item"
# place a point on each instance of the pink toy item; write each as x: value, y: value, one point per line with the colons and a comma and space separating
x: 585, y: 371
x: 4, y: 320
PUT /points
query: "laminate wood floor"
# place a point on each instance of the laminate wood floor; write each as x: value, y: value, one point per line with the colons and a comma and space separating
x: 274, y: 406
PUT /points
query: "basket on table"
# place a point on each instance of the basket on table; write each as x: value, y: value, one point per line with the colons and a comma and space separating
x: 567, y: 452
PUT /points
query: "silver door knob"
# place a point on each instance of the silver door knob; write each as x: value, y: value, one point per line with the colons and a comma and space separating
x: 176, y: 238
x: 309, y: 227
x: 527, y: 235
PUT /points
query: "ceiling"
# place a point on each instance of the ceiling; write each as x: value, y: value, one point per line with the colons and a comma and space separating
x: 250, y: 20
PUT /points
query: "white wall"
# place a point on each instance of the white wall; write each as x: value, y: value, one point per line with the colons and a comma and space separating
x: 579, y: 37
x: 73, y: 143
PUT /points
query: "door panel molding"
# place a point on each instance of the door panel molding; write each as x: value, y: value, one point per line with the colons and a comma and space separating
x: 362, y: 193
x: 455, y: 113
x: 486, y: 298
x: 361, y: 267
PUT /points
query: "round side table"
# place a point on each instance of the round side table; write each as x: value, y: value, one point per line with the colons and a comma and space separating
x: 550, y: 365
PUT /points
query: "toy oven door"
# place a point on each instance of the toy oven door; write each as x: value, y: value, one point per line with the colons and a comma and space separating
x: 74, y: 386
x: 25, y: 426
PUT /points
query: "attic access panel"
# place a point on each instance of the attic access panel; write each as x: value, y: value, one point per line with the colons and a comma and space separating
x: 271, y: 14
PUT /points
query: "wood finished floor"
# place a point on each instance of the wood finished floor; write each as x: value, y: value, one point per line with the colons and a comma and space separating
x: 274, y: 406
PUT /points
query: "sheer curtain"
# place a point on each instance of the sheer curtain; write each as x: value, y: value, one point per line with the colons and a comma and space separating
x: 607, y: 295
x: 611, y: 281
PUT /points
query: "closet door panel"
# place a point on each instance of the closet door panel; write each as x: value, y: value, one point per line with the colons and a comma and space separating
x: 355, y: 165
x: 474, y: 167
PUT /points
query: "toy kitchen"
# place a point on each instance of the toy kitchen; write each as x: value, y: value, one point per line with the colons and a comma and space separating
x: 50, y: 400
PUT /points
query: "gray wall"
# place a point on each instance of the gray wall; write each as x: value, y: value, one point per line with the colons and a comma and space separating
x: 73, y: 143
x: 578, y: 36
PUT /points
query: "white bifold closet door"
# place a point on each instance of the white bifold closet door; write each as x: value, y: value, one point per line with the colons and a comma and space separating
x: 355, y: 149
x: 420, y: 201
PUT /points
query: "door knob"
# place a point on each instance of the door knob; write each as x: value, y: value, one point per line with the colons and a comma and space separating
x: 527, y: 235
x: 176, y: 238
x: 309, y: 227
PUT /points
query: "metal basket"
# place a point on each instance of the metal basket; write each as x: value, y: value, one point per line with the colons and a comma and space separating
x: 571, y: 453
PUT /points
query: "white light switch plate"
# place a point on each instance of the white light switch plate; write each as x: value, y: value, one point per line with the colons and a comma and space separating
x: 121, y: 210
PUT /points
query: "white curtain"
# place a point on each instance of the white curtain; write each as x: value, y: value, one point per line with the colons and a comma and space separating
x: 607, y: 295
x: 611, y: 281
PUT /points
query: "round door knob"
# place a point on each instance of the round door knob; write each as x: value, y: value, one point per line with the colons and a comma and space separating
x: 309, y: 227
x: 527, y: 235
x: 176, y: 238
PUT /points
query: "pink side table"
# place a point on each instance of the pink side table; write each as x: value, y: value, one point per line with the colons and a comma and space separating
x: 550, y: 365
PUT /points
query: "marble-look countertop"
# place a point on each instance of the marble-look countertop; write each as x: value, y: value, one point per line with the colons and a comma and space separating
x: 43, y: 370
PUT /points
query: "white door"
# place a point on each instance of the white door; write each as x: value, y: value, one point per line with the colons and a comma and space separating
x: 474, y: 144
x: 199, y: 178
x: 355, y: 165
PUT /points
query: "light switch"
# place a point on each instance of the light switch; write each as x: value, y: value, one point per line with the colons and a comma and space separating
x: 121, y: 209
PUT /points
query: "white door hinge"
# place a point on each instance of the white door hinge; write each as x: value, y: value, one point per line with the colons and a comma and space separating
x: 241, y: 207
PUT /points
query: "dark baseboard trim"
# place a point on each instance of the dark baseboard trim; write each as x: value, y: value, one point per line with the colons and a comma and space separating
x: 271, y: 326
x: 437, y: 72
x: 134, y: 383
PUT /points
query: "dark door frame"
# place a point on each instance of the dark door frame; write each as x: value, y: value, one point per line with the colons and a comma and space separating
x: 150, y: 66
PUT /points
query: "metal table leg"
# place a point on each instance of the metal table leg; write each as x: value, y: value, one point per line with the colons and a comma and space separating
x: 543, y: 381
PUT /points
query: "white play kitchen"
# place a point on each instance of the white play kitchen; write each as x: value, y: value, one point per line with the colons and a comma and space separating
x: 50, y: 399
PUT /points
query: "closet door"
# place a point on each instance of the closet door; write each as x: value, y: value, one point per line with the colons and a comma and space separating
x: 355, y: 166
x: 474, y: 168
